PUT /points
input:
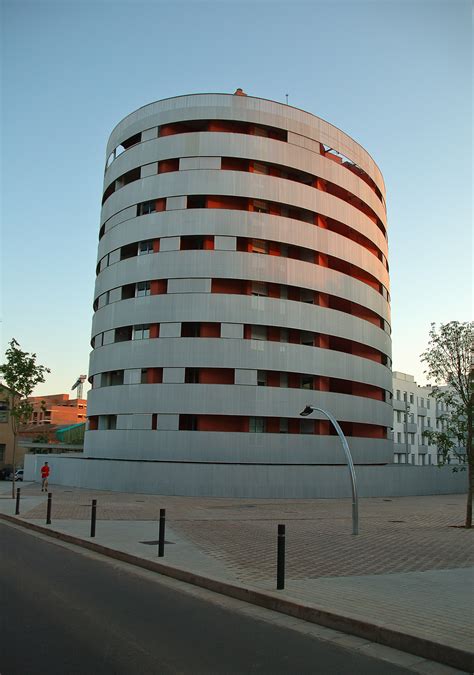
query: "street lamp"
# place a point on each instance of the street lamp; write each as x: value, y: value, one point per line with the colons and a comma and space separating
x: 355, y: 500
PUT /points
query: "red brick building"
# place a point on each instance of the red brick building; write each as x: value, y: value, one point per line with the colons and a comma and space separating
x: 57, y: 409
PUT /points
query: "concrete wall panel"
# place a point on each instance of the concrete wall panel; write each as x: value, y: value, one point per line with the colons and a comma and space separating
x: 245, y: 480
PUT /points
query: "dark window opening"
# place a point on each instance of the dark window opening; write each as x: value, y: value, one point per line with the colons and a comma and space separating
x: 196, y: 202
x: 168, y: 165
x: 225, y: 126
x: 182, y: 127
x: 123, y: 334
x: 188, y: 422
x: 133, y: 140
x: 126, y: 178
x: 110, y: 190
x: 190, y: 329
x: 192, y: 243
x: 128, y: 251
x: 339, y: 386
x: 307, y: 382
x: 261, y: 378
x: 128, y: 291
x: 191, y: 375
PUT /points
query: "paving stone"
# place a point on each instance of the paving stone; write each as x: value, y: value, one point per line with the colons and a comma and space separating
x: 409, y: 568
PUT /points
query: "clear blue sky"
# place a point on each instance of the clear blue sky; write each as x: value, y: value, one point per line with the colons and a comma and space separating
x: 396, y: 76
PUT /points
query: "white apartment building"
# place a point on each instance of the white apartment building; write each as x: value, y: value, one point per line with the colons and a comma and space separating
x: 241, y: 274
x: 414, y: 411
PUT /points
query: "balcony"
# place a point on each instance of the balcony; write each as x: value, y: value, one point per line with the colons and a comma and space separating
x: 399, y: 405
x: 402, y: 448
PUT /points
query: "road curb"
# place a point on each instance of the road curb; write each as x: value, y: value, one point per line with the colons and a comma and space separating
x: 428, y: 649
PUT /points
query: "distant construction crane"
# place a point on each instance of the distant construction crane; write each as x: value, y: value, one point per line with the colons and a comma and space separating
x: 79, y: 385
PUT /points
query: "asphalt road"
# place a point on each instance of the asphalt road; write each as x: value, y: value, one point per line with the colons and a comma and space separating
x: 65, y: 613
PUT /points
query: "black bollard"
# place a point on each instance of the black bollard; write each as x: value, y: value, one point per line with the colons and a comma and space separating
x: 48, y: 509
x: 93, y: 516
x: 281, y: 558
x: 161, y: 537
x: 17, y: 508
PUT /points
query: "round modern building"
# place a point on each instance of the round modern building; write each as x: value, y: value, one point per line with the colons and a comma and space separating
x: 242, y: 274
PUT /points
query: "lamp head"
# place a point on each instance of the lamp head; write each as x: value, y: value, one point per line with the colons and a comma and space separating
x: 307, y: 411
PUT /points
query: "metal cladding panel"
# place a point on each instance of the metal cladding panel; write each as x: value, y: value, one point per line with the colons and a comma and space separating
x: 148, y: 416
x: 238, y: 145
x: 248, y: 108
x: 216, y: 399
x: 240, y: 354
x: 224, y: 447
x: 236, y: 265
x: 148, y: 170
x: 239, y: 183
x: 224, y: 243
x: 239, y: 265
x: 244, y: 265
x: 169, y: 225
x: 248, y: 309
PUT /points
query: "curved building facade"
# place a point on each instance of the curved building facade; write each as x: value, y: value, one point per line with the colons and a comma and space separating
x: 242, y: 274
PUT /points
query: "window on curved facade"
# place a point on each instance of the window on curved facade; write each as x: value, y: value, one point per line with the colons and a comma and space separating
x: 145, y: 247
x: 257, y: 425
x: 141, y: 332
x: 146, y: 207
x: 143, y: 288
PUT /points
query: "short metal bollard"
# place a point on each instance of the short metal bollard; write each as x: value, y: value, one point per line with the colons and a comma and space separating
x: 281, y: 558
x: 48, y: 508
x: 17, y: 507
x: 93, y: 516
x: 161, y: 536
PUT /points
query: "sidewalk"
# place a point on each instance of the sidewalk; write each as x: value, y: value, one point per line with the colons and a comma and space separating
x: 406, y: 580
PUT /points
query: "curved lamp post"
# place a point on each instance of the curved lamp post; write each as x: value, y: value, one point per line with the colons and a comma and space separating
x: 355, y: 500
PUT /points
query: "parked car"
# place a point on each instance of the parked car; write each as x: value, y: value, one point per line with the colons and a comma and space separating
x: 18, y: 475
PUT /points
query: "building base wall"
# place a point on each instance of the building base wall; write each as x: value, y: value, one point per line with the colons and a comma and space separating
x: 193, y: 479
x: 233, y: 448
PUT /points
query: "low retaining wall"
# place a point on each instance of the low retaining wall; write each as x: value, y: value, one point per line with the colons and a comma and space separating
x: 211, y: 479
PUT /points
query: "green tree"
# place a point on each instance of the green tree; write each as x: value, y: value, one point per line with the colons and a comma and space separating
x: 449, y: 363
x: 21, y: 374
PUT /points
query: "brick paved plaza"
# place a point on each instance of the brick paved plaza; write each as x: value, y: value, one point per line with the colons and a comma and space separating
x: 410, y: 570
x: 406, y: 534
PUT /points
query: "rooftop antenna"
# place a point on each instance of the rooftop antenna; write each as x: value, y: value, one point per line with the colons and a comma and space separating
x: 79, y: 384
x: 286, y: 99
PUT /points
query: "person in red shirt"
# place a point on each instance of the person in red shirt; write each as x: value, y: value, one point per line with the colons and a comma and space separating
x: 44, y: 477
